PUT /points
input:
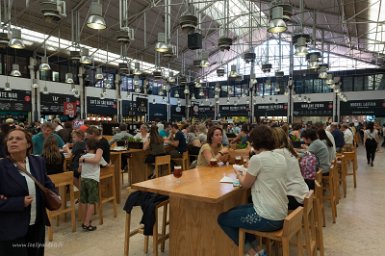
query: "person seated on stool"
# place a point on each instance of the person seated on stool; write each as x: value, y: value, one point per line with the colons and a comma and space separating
x: 177, y: 141
x: 155, y: 144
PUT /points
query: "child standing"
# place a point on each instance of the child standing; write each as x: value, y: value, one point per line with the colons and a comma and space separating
x: 89, y: 190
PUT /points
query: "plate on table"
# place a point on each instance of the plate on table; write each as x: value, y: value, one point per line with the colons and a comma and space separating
x: 118, y: 148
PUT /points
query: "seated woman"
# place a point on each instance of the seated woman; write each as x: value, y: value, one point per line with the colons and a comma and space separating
x: 240, y: 141
x: 318, y: 148
x: 155, y: 144
x: 266, y: 176
x: 54, y: 159
x: 295, y: 135
x: 213, y: 148
x: 296, y: 185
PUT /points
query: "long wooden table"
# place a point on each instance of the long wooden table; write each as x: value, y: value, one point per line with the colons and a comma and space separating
x: 195, y: 203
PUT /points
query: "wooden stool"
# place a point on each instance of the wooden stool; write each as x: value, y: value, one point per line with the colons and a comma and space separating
x: 161, y: 161
x: 351, y: 157
x: 184, y: 161
x: 319, y: 216
x: 62, y: 181
x: 156, y: 237
x: 331, y: 180
x: 342, y: 166
x: 292, y: 227
x: 105, y: 174
x: 309, y: 228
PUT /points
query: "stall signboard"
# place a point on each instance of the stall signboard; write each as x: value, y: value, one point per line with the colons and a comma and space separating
x: 363, y: 107
x: 134, y: 108
x: 15, y: 100
x: 320, y: 108
x: 203, y: 112
x: 234, y: 110
x: 178, y: 112
x: 102, y: 107
x: 54, y: 102
x: 158, y: 112
x: 279, y: 109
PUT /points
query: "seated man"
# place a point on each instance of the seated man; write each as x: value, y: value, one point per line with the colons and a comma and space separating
x: 121, y: 136
x: 177, y: 141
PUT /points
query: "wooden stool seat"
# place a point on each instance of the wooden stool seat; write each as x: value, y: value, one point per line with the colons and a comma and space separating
x: 107, y: 173
x: 331, y: 182
x: 184, y: 161
x: 161, y: 161
x: 351, y: 159
x: 318, y: 216
x: 157, y: 238
x: 292, y: 227
x: 63, y: 181
x: 309, y: 226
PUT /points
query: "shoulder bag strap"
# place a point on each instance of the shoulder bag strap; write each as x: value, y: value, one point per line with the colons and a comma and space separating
x: 22, y: 169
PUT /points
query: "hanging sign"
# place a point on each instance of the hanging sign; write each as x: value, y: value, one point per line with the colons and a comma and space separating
x: 178, y: 112
x: 134, y: 108
x: 15, y: 100
x: 54, y: 102
x: 234, y: 110
x: 102, y: 107
x: 363, y: 107
x: 158, y: 112
x: 279, y: 109
x: 321, y: 108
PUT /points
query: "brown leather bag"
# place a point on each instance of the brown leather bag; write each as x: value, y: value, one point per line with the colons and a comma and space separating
x: 52, y: 200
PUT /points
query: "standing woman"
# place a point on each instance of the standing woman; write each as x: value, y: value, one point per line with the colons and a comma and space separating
x: 370, y: 142
x: 22, y: 208
x: 54, y: 159
x: 213, y: 148
x: 266, y: 176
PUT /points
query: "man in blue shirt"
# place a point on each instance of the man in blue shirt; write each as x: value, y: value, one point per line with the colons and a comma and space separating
x: 38, y: 139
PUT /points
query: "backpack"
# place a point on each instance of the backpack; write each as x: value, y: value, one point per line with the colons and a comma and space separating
x: 309, y: 165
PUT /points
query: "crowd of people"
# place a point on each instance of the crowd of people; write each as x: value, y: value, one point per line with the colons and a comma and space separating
x: 274, y: 173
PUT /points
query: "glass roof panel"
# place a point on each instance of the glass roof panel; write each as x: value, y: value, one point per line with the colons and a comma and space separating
x: 376, y: 30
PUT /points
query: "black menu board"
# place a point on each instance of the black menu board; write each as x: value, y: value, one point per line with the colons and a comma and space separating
x: 203, y: 112
x: 234, y: 110
x: 158, y: 112
x: 363, y: 107
x: 136, y: 108
x: 321, y: 108
x: 178, y: 112
x: 103, y: 107
x: 15, y: 100
x: 279, y: 109
x: 54, y: 102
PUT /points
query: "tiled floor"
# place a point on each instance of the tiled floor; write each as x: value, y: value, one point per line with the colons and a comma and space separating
x: 360, y: 227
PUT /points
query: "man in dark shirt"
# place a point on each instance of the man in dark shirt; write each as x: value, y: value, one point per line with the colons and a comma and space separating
x: 338, y: 136
x: 177, y: 141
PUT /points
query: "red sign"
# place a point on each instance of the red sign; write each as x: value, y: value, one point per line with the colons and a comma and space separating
x: 69, y: 108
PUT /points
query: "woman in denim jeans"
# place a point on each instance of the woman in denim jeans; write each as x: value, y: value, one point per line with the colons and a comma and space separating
x: 266, y: 176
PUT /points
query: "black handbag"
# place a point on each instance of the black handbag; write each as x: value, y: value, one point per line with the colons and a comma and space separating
x: 52, y: 200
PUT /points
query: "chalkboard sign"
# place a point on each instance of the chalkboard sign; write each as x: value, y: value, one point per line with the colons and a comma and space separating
x: 136, y: 108
x: 363, y: 107
x: 279, y: 109
x: 322, y: 108
x: 102, y: 107
x: 54, y: 102
x: 203, y: 112
x: 178, y: 112
x: 158, y: 112
x: 15, y: 100
x: 234, y: 110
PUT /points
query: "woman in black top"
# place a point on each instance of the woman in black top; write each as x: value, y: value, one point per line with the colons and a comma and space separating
x: 54, y: 159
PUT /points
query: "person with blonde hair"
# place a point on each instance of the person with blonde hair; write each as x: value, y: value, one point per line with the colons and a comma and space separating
x: 296, y: 185
x: 54, y: 159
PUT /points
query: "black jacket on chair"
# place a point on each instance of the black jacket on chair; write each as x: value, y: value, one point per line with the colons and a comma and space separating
x: 147, y: 201
x: 14, y: 217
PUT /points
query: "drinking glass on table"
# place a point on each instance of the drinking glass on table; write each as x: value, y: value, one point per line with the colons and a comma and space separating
x: 213, y: 162
x: 178, y: 172
x: 238, y: 160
